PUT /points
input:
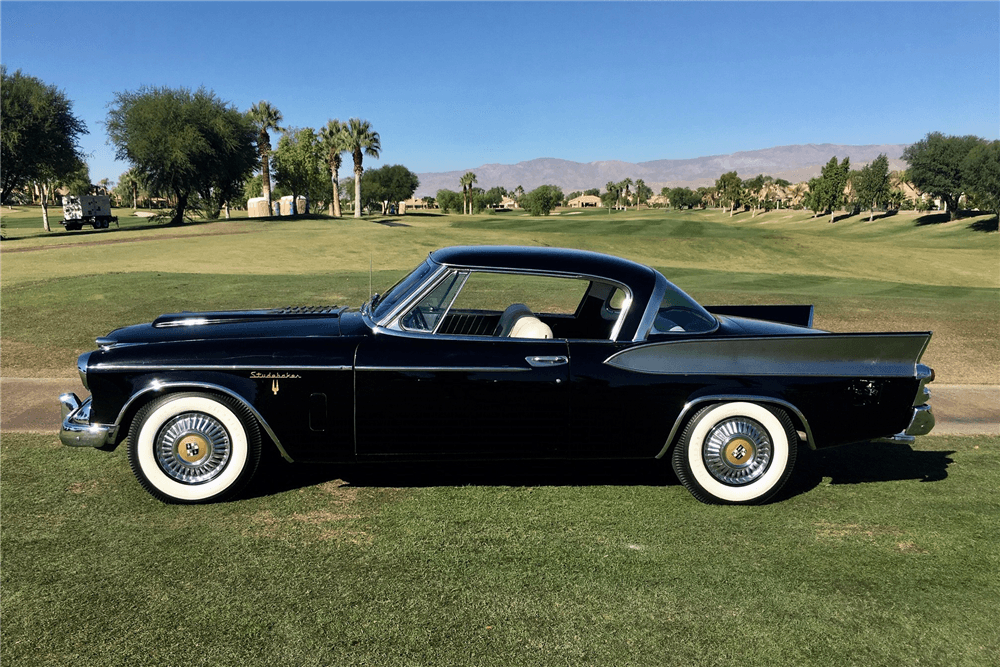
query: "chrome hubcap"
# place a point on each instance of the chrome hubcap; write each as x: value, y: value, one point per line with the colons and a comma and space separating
x: 193, y: 447
x: 737, y: 451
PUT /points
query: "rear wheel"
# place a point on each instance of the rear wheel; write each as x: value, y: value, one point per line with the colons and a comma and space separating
x: 736, y: 453
x: 193, y: 448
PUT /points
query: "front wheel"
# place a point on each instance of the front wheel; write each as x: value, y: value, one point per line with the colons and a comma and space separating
x: 736, y: 453
x: 193, y: 448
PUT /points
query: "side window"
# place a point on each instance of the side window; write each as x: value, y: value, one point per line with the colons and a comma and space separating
x: 542, y: 294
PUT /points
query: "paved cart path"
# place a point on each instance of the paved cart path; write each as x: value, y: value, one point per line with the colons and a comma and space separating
x: 31, y: 405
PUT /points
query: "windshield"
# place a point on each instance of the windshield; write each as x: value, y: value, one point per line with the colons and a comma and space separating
x: 398, y: 292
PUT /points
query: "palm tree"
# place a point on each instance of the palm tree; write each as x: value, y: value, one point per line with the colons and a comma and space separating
x: 798, y: 192
x: 360, y: 140
x: 266, y: 117
x: 624, y: 186
x: 332, y: 140
x: 518, y: 193
x: 467, y: 182
x: 640, y: 191
x: 612, y: 187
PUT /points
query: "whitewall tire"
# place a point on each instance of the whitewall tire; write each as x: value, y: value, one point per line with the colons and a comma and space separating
x: 193, y: 448
x: 736, y: 453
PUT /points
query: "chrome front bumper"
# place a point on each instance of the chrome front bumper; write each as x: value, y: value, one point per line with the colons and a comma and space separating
x: 77, y: 431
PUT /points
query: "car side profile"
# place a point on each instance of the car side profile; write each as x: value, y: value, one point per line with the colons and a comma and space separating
x: 497, y: 352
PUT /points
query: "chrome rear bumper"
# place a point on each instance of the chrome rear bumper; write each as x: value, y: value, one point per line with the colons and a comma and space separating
x: 77, y: 431
x: 922, y: 419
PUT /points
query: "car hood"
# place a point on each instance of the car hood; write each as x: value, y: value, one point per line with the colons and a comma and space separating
x: 230, y: 324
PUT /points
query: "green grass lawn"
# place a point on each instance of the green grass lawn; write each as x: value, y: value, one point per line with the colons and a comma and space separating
x: 881, y: 555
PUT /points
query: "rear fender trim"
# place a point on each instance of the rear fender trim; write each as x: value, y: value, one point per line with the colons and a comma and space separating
x: 158, y: 387
x: 727, y: 398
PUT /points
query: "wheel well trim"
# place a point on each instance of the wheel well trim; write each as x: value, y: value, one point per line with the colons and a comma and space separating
x: 172, y: 387
x: 728, y: 398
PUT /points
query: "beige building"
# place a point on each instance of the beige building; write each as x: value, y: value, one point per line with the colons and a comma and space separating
x: 585, y: 201
x: 507, y: 202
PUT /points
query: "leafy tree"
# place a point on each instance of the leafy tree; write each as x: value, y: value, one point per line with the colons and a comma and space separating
x: 388, y: 184
x: 594, y: 192
x: 828, y: 190
x: 981, y: 171
x: 360, y: 140
x: 298, y: 164
x: 265, y: 118
x: 449, y: 200
x: 612, y: 195
x: 182, y: 142
x: 936, y: 163
x: 681, y: 198
x: 77, y: 182
x: 38, y: 133
x: 542, y: 199
x: 872, y: 186
x: 573, y: 195
x: 730, y: 189
x: 333, y: 144
x: 492, y: 197
x: 428, y: 200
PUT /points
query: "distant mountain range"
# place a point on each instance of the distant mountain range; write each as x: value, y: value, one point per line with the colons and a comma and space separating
x: 793, y: 163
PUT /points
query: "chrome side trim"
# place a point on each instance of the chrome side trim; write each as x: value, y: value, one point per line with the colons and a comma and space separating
x: 437, y: 369
x: 717, y: 398
x: 207, y: 367
x: 546, y: 362
x: 157, y: 386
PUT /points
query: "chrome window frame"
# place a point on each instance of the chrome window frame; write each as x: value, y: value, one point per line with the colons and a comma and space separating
x: 391, y: 322
x: 463, y: 276
x: 645, y: 327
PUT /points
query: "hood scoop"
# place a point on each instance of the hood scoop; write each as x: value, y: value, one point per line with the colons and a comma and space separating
x: 188, y: 319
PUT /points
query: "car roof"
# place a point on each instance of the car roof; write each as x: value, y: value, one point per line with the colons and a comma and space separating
x: 556, y: 260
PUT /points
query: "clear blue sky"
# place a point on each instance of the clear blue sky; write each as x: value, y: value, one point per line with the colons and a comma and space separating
x: 456, y: 85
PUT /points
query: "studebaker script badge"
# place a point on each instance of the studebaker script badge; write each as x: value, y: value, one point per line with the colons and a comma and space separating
x: 274, y: 377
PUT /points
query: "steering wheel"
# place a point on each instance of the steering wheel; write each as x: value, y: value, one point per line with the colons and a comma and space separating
x: 415, y: 320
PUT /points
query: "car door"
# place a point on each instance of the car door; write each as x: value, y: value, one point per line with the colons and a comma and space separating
x: 431, y: 396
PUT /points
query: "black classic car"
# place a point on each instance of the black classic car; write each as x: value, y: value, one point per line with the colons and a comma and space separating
x: 497, y: 353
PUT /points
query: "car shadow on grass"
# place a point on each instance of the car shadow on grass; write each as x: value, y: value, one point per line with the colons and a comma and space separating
x: 277, y: 476
x: 866, y: 462
x: 850, y: 464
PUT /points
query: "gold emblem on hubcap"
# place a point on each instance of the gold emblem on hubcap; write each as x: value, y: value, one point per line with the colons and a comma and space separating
x: 739, y: 452
x: 192, y: 448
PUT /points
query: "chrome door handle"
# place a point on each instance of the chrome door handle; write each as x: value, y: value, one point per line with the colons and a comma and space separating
x: 542, y: 362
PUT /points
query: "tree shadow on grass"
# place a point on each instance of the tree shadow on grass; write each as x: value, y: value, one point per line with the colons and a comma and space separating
x: 932, y: 219
x: 986, y: 225
x: 866, y: 462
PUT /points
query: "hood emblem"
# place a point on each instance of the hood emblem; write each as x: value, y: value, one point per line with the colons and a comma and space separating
x: 274, y: 387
